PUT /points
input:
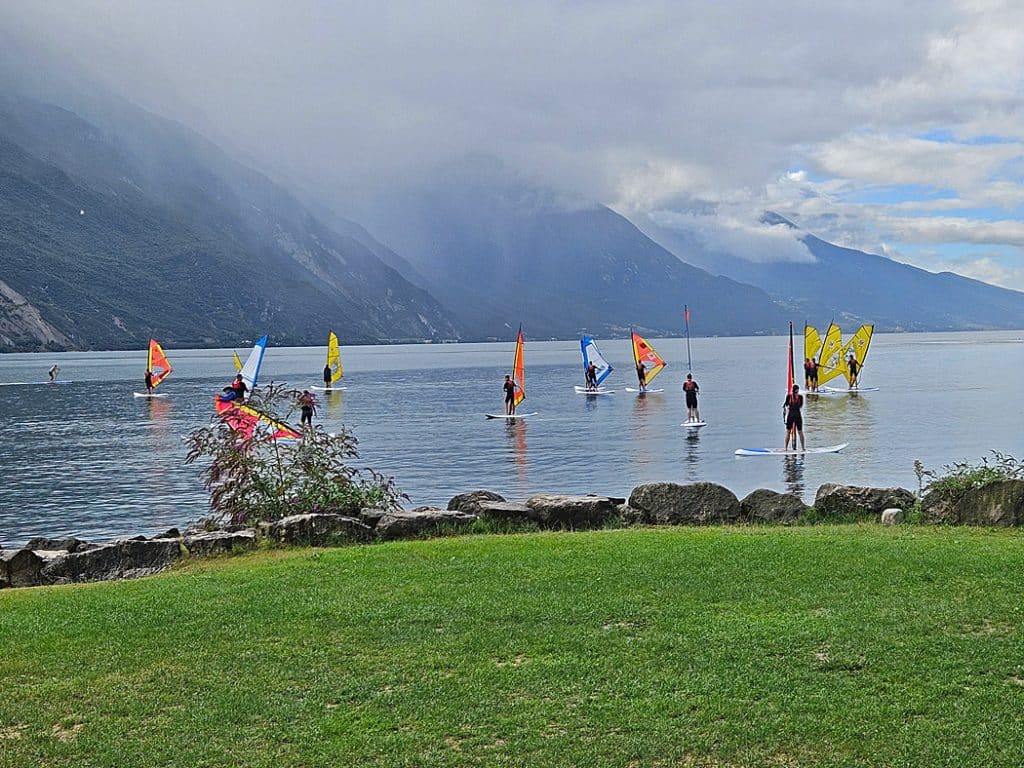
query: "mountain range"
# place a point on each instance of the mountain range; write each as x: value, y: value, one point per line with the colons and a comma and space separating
x: 117, y: 225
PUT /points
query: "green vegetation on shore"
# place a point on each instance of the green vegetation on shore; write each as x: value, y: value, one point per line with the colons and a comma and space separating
x: 823, y: 646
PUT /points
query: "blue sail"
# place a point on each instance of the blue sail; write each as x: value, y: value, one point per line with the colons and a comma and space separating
x: 591, y: 354
x: 251, y: 370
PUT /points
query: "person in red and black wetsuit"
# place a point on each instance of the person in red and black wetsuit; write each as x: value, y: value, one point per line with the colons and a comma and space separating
x: 794, y: 420
x: 234, y: 391
x: 691, y: 389
x: 854, y: 368
x: 510, y: 395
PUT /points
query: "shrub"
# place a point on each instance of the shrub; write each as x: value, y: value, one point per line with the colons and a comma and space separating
x: 257, y: 478
x: 954, y: 480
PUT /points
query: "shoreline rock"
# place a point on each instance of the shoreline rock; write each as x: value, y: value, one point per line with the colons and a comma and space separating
x: 66, y: 560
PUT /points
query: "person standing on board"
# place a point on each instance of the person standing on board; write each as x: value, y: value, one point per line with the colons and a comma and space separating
x: 807, y: 372
x: 691, y: 388
x: 307, y: 403
x: 510, y: 395
x: 854, y: 368
x: 813, y: 384
x: 794, y: 420
x: 591, y: 376
x: 149, y: 382
x: 641, y: 375
x: 53, y: 373
x: 327, y: 377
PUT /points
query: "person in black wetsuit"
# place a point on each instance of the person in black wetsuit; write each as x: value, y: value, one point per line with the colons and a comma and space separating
x: 793, y: 418
x: 813, y: 374
x: 807, y: 372
x: 149, y: 382
x: 327, y: 377
x: 307, y: 402
x: 591, y: 376
x: 690, y: 388
x: 641, y: 375
x: 510, y: 395
x: 854, y: 368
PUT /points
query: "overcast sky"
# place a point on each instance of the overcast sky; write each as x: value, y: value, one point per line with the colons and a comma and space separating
x: 891, y: 127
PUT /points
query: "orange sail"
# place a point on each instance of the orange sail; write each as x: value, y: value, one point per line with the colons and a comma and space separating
x: 518, y: 372
x: 642, y: 351
x: 157, y: 363
x: 247, y: 421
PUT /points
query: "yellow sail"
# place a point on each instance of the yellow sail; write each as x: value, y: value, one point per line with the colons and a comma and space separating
x: 812, y: 342
x: 858, y: 347
x: 830, y: 362
x: 334, y: 357
x: 238, y: 361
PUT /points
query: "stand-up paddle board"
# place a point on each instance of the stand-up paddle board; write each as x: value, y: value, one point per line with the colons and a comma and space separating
x: 509, y: 415
x: 148, y: 396
x: 585, y: 391
x: 837, y: 391
x: 783, y: 452
x: 328, y: 389
x: 34, y: 383
x: 694, y: 424
x: 644, y: 391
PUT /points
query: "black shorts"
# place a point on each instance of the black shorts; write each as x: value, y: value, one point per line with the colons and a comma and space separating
x: 813, y: 377
x: 509, y: 397
x: 691, y: 399
x: 795, y: 420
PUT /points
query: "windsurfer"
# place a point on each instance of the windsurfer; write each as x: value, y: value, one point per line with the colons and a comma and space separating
x: 235, y: 390
x: 53, y: 372
x: 641, y: 375
x: 149, y: 381
x: 510, y: 395
x: 691, y: 389
x: 854, y: 368
x: 808, y: 365
x: 327, y: 376
x: 793, y: 418
x: 591, y: 376
x: 814, y: 376
x: 307, y: 403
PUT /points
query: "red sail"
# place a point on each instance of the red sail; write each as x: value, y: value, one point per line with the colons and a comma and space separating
x: 158, y: 364
x: 789, y: 384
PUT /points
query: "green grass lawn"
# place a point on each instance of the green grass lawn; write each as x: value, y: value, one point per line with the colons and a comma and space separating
x: 814, y: 646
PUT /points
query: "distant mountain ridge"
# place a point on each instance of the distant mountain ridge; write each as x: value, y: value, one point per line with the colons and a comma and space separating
x: 497, y: 250
x: 855, y: 287
x: 111, y: 235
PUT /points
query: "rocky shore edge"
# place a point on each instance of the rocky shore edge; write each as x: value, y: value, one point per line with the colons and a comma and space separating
x: 70, y: 560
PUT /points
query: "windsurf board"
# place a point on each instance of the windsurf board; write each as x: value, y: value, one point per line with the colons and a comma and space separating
x: 509, y: 415
x: 148, y: 395
x: 783, y: 452
x: 585, y: 391
x: 644, y: 391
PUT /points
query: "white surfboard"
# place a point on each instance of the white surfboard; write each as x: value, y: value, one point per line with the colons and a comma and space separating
x: 598, y: 391
x: 509, y: 415
x: 782, y: 452
x: 694, y: 424
x: 837, y: 391
x: 644, y: 391
x: 34, y: 383
x: 148, y: 395
x: 328, y: 389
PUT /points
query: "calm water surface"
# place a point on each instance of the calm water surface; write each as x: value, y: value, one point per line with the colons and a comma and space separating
x: 87, y: 458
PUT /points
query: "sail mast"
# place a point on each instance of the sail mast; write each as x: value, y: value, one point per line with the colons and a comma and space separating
x: 789, y: 386
x: 686, y: 319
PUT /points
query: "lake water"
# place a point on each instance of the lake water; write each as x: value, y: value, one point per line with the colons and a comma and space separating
x: 88, y: 459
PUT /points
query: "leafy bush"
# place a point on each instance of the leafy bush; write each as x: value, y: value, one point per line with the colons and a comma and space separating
x: 256, y: 478
x: 954, y: 480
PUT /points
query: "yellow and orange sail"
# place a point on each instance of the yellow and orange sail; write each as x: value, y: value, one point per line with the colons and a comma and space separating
x: 157, y: 363
x: 249, y: 422
x: 830, y: 361
x: 518, y: 371
x: 858, y: 347
x: 642, y: 351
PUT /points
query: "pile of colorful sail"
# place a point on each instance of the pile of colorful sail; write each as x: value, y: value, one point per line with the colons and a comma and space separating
x: 251, y: 423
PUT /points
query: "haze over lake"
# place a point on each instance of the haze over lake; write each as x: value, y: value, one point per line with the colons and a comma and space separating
x: 89, y: 459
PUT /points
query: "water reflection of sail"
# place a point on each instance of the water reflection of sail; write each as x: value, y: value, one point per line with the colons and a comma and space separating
x: 515, y: 429
x: 793, y: 474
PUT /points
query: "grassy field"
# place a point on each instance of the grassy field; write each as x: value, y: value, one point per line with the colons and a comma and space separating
x: 814, y: 646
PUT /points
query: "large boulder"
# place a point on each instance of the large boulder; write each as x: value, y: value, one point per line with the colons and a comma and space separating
x: 127, y: 559
x: 996, y: 504
x: 219, y: 542
x: 20, y: 568
x: 470, y: 502
x: 403, y: 524
x: 67, y: 544
x: 766, y: 506
x: 563, y: 511
x: 505, y: 512
x: 692, y: 504
x: 859, y: 503
x: 319, y: 530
